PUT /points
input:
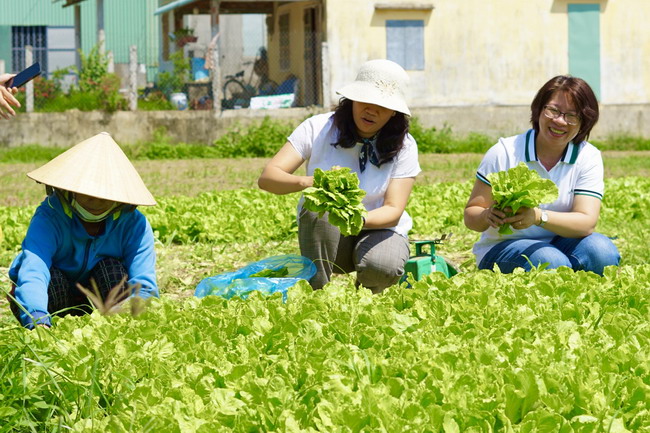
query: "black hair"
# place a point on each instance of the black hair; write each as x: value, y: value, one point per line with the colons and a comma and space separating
x: 390, y: 138
x: 581, y: 95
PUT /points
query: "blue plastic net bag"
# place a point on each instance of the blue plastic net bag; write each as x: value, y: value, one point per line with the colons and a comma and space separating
x: 241, y: 283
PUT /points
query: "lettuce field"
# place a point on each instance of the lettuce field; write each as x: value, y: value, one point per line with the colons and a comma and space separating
x: 545, y: 351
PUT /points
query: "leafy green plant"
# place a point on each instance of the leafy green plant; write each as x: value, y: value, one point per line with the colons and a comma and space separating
x: 482, y: 351
x: 172, y: 82
x: 337, y: 192
x: 434, y: 140
x: 29, y: 153
x: 155, y: 101
x: 109, y: 97
x: 430, y: 140
x: 45, y: 90
x: 262, y: 139
x: 271, y: 273
x: 94, y: 66
x: 97, y: 89
x: 230, y: 220
x: 520, y: 187
x: 183, y: 36
x: 78, y: 100
x: 622, y: 142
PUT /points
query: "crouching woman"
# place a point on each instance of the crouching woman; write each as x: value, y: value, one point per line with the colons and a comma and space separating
x: 86, y: 231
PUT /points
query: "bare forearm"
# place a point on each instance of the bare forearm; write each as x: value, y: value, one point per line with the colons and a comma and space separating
x: 277, y: 181
x: 383, y: 217
x: 569, y: 224
x: 475, y: 218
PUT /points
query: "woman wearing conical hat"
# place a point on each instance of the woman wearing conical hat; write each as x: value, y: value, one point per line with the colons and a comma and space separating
x: 367, y: 133
x: 87, y: 230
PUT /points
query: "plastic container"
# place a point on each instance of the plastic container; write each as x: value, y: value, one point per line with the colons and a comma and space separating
x: 179, y: 100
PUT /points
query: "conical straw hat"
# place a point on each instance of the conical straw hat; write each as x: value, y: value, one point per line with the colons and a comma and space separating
x: 96, y: 167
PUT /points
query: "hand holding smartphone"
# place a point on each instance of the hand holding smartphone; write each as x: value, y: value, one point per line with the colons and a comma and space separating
x: 7, y: 99
x: 24, y: 76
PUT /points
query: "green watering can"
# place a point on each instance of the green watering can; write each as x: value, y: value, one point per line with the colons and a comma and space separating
x: 426, y: 261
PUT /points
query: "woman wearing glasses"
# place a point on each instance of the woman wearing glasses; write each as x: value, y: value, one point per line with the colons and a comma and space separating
x: 561, y: 233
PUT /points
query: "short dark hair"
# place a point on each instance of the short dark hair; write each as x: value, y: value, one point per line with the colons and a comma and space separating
x: 390, y: 138
x: 580, y: 94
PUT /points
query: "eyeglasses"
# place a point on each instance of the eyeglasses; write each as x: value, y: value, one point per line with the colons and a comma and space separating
x: 554, y: 113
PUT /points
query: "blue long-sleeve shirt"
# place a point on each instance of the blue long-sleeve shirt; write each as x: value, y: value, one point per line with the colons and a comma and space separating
x: 56, y: 237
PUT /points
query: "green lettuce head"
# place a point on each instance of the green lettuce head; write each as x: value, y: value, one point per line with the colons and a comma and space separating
x: 337, y: 192
x: 520, y: 187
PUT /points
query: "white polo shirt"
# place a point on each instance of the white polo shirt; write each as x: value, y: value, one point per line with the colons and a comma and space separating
x: 579, y: 172
x: 313, y: 140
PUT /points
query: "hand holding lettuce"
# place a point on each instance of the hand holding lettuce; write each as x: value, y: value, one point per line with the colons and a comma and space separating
x: 520, y: 187
x: 337, y: 191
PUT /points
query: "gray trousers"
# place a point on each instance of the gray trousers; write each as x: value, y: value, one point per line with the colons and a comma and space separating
x: 377, y: 256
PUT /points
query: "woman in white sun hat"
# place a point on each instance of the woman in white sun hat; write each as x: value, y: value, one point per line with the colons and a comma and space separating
x: 367, y: 132
x: 87, y: 229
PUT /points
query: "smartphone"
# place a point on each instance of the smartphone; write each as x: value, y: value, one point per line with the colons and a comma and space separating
x: 24, y: 76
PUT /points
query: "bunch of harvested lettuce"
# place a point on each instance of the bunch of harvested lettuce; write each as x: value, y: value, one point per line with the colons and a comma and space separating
x: 520, y: 187
x: 337, y: 192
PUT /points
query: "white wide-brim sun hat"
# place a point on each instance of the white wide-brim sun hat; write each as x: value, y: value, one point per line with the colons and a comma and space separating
x: 96, y: 167
x: 380, y: 82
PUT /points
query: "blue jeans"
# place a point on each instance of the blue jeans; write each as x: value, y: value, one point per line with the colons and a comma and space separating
x: 591, y: 253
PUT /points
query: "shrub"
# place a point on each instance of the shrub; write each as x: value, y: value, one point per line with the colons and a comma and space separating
x: 153, y: 101
x: 261, y: 140
x: 108, y: 94
x: 622, y: 142
x: 433, y: 140
x: 430, y: 140
x: 94, y: 67
x: 170, y: 82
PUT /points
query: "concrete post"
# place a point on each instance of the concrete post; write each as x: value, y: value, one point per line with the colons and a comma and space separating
x: 77, y: 36
x: 110, y: 68
x: 215, y: 65
x: 325, y: 64
x: 133, y: 78
x: 217, y: 93
x: 29, y: 87
x: 101, y: 35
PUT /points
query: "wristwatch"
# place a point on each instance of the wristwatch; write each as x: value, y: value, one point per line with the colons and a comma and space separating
x: 543, y: 219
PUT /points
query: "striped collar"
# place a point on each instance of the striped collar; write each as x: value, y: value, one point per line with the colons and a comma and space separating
x: 570, y: 151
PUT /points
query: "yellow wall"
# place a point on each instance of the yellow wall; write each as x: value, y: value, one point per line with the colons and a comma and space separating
x: 296, y: 40
x: 480, y: 52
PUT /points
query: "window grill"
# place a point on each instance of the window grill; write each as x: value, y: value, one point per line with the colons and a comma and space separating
x: 21, y: 36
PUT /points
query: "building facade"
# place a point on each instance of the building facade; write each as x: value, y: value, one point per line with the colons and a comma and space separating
x: 49, y: 27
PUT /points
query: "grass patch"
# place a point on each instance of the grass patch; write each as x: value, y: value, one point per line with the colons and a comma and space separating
x: 622, y: 142
x: 29, y: 153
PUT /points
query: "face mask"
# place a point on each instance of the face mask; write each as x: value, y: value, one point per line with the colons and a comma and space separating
x: 90, y: 217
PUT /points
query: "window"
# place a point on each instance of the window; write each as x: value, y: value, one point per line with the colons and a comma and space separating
x: 405, y: 43
x: 285, y: 54
x: 60, y: 48
x: 52, y: 47
x: 22, y: 36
